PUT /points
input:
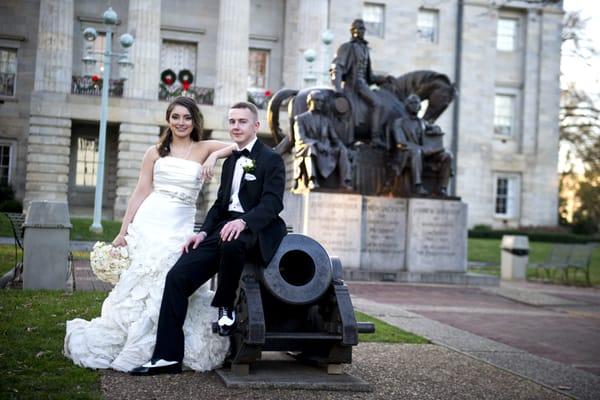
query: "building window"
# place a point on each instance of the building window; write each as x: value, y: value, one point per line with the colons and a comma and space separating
x: 87, y: 161
x: 258, y: 64
x: 506, y: 40
x: 504, y: 114
x: 374, y: 19
x: 8, y: 71
x: 5, y: 160
x: 428, y: 25
x: 507, y: 196
x: 178, y: 56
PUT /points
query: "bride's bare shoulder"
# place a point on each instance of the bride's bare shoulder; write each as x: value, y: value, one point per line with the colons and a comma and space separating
x: 152, y: 153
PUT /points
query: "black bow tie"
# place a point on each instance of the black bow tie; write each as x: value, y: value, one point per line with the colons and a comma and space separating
x: 238, y: 153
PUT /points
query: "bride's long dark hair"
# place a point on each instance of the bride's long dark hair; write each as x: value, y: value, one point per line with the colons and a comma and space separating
x: 166, y: 138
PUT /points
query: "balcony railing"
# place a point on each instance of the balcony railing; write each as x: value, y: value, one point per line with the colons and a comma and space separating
x: 86, y: 85
x: 260, y: 97
x: 202, y: 95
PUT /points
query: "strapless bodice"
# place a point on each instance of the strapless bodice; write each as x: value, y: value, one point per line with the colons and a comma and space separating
x: 178, y: 178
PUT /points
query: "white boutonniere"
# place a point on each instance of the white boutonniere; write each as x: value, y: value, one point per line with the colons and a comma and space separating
x: 248, y: 165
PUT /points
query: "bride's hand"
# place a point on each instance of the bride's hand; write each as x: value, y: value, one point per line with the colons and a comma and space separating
x: 119, y: 240
x: 208, y: 168
x: 194, y: 241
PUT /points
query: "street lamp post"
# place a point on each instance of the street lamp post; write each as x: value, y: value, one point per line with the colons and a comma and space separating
x: 310, y: 78
x: 326, y: 38
x: 110, y: 19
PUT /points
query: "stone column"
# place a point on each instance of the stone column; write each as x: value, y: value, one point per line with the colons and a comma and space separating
x: 306, y: 21
x: 54, y: 57
x: 232, y: 52
x: 144, y: 25
x: 47, y: 159
x: 47, y: 173
x: 134, y: 140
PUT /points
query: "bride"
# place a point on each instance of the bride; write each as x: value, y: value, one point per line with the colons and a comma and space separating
x: 158, y: 221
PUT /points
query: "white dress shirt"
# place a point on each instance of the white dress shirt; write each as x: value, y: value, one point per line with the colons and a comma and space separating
x: 238, y: 173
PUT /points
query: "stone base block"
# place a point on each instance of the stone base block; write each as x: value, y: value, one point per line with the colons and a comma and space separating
x: 279, y: 371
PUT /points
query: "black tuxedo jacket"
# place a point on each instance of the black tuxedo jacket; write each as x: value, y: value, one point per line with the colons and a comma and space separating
x: 262, y: 199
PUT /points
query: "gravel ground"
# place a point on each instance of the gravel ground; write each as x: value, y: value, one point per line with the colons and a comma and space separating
x: 395, y: 371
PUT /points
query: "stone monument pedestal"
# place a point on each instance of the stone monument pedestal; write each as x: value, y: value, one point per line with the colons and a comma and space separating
x: 385, y: 238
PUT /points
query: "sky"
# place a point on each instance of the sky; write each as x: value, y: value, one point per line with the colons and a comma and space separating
x: 585, y: 76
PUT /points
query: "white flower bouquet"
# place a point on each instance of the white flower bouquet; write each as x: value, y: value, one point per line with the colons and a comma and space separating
x: 108, y: 262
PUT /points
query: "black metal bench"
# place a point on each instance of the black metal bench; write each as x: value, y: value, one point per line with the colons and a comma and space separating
x: 14, y: 277
x: 580, y: 260
x: 565, y: 257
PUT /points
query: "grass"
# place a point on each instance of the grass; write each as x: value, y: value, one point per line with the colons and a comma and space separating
x: 32, y: 328
x: 488, y: 251
x: 80, y: 230
x: 7, y: 258
x: 386, y: 333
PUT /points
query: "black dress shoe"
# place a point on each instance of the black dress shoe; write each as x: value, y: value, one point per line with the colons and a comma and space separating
x: 226, y: 330
x: 148, y: 371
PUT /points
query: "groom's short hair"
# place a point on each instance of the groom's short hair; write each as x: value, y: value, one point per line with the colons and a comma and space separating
x: 248, y: 106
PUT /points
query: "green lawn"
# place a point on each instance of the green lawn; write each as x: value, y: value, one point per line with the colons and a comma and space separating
x: 7, y: 258
x: 80, y: 230
x: 488, y: 251
x: 32, y: 328
x: 386, y: 333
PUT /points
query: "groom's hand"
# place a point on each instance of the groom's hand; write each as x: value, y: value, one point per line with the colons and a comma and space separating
x: 232, y: 229
x: 194, y: 240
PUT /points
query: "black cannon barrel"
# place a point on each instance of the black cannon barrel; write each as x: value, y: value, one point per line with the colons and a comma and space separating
x: 300, y: 271
x: 365, y: 327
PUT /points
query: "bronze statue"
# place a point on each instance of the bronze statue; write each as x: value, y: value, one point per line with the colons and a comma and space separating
x: 420, y: 146
x: 363, y: 118
x: 318, y: 149
x: 351, y: 74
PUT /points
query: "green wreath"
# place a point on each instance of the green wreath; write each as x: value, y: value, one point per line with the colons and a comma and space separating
x: 168, y: 77
x: 185, y: 75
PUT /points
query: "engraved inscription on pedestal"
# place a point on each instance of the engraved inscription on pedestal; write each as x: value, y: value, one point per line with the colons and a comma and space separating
x: 293, y: 211
x: 436, y: 236
x: 384, y: 234
x: 334, y: 221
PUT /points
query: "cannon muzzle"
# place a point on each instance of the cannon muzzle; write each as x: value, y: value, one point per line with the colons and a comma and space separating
x: 300, y: 271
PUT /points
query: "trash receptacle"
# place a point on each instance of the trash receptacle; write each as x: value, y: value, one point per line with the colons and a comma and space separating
x: 46, y: 245
x: 515, y: 257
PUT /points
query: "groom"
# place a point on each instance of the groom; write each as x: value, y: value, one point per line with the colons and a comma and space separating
x: 242, y: 222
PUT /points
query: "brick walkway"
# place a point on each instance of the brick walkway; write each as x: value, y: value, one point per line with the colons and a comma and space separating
x: 565, y: 329
x: 85, y: 279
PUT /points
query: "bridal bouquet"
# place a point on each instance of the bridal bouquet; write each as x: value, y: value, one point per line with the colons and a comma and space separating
x: 108, y: 262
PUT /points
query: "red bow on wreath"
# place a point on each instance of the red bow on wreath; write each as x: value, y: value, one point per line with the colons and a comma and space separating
x: 186, y: 78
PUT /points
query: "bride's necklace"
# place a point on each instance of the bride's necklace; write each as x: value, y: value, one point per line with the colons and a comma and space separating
x: 187, y: 153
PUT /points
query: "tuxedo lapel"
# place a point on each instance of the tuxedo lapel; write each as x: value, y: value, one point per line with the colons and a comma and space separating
x: 228, y: 179
x: 254, y: 154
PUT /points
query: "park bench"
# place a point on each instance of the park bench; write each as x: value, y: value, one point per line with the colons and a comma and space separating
x: 14, y: 277
x: 564, y: 257
x: 580, y: 260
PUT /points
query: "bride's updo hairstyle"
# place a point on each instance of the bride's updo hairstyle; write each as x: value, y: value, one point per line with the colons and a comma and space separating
x: 166, y: 138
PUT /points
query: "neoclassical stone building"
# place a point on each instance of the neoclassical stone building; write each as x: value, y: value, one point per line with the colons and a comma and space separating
x: 503, y: 128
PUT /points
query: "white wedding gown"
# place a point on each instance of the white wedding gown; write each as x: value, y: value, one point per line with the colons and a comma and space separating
x: 124, y: 335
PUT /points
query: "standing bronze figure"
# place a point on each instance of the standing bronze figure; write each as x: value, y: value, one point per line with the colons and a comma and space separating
x: 351, y: 74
